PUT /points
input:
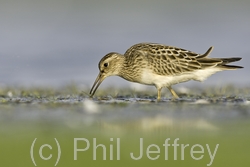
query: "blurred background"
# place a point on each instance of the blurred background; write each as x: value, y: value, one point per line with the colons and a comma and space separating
x: 59, y: 42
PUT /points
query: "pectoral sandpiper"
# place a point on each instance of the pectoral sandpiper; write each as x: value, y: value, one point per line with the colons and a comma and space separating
x: 161, y: 66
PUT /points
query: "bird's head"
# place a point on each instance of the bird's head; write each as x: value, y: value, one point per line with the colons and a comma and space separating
x: 109, y: 65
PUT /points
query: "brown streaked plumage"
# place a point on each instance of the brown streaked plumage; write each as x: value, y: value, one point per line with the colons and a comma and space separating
x: 161, y: 66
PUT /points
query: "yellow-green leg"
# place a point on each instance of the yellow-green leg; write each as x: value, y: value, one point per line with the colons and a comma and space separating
x: 159, y: 94
x: 173, y: 92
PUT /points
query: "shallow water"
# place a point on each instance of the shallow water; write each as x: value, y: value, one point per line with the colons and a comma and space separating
x: 68, y: 113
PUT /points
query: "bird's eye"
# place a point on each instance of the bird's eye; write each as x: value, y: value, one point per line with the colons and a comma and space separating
x: 105, y: 64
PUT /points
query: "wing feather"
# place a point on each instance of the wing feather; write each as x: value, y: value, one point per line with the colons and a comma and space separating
x: 168, y: 60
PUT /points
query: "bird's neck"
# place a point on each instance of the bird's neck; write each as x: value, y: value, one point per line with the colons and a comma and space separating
x: 127, y: 71
x: 119, y: 65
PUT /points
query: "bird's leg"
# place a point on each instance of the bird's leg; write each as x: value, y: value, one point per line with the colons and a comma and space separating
x: 173, y: 92
x: 159, y: 94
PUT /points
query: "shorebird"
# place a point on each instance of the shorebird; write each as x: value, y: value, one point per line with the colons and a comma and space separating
x: 161, y: 66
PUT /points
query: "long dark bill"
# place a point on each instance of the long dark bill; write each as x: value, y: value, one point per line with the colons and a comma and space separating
x: 96, y: 84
